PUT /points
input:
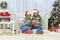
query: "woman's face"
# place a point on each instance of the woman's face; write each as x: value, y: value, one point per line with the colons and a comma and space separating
x: 35, y: 14
x: 28, y: 15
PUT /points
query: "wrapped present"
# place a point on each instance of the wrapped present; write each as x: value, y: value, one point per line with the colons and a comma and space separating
x: 53, y: 29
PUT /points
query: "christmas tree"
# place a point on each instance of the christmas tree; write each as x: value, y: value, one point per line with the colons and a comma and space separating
x: 54, y: 19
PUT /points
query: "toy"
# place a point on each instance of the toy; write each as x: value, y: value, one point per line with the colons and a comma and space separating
x: 34, y: 22
x: 18, y: 31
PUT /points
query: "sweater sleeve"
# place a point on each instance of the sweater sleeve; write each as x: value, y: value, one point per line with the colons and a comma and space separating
x: 24, y: 21
x: 40, y: 20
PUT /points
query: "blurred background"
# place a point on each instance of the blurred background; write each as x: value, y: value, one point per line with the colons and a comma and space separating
x: 20, y: 6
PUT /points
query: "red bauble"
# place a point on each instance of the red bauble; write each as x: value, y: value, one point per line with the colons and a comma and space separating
x: 18, y: 31
x: 34, y: 22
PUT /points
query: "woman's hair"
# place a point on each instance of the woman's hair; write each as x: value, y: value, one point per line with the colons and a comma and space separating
x: 34, y: 14
x: 26, y: 13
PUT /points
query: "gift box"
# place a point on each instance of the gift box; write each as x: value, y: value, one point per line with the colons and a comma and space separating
x: 53, y: 29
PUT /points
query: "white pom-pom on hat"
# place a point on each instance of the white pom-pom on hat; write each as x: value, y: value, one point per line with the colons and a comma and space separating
x: 34, y: 11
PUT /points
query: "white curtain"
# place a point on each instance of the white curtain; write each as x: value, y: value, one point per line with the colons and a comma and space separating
x: 20, y: 6
x: 44, y: 6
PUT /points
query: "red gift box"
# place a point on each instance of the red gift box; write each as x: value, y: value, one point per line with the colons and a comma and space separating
x: 54, y: 29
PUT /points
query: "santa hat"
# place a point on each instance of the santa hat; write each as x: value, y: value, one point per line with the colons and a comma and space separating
x: 35, y: 10
x: 27, y: 12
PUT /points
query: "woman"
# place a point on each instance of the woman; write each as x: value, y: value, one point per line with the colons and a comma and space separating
x: 27, y: 22
x: 37, y: 26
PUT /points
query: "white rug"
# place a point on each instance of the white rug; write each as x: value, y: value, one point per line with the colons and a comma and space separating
x: 45, y: 36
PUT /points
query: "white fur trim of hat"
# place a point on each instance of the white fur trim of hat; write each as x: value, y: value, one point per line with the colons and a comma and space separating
x: 35, y: 11
x: 28, y: 12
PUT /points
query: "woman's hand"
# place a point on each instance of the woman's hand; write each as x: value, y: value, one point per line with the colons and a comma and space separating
x: 38, y: 22
x: 28, y: 21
